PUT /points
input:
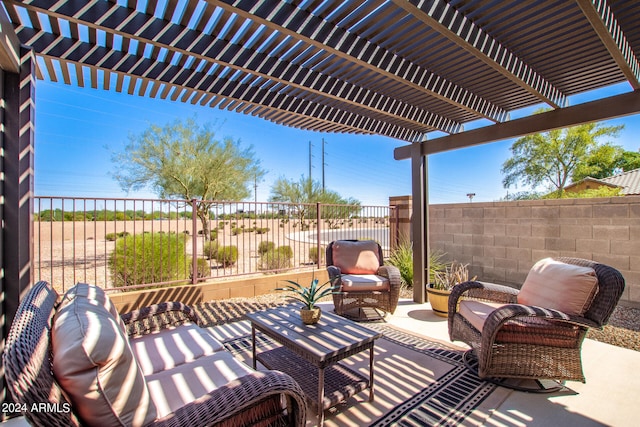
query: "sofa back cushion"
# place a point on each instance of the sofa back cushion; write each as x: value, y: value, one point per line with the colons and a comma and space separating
x: 360, y: 257
x: 94, y: 364
x: 565, y: 287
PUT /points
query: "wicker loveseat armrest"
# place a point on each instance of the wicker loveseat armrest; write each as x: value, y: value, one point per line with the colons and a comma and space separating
x: 157, y: 317
x: 249, y: 400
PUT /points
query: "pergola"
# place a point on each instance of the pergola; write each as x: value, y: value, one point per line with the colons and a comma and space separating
x: 398, y: 68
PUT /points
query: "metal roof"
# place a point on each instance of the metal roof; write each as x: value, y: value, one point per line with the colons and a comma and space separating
x: 399, y: 68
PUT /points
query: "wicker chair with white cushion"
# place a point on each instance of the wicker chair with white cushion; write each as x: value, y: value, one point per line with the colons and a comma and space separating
x: 536, y: 332
x: 357, y: 267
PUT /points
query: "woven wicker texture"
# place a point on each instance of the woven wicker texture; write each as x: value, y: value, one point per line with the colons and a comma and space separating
x: 263, y: 398
x: 384, y: 300
x: 521, y: 341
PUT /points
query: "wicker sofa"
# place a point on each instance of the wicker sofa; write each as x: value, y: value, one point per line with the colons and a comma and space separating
x: 154, y: 366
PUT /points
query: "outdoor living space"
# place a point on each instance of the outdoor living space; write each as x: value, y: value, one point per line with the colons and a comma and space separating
x: 428, y: 385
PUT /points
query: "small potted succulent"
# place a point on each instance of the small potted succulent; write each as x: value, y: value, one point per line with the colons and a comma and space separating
x: 443, y: 281
x: 309, y: 296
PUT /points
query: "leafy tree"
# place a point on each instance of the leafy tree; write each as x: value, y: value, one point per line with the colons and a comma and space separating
x: 630, y: 161
x: 305, y: 193
x: 185, y: 161
x: 601, y: 162
x: 551, y: 158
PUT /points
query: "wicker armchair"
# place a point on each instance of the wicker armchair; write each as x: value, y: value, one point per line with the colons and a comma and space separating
x: 264, y: 398
x: 357, y: 267
x: 518, y: 341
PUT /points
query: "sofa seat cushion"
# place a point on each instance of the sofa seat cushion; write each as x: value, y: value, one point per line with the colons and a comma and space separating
x: 564, y: 287
x: 364, y: 282
x: 521, y: 330
x: 172, y: 347
x: 174, y: 388
x: 94, y: 364
x: 359, y: 257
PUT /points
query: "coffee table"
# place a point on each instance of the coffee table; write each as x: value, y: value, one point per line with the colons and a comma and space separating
x: 310, y: 354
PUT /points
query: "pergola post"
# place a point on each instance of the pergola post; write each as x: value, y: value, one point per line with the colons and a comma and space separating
x: 16, y: 241
x: 419, y: 222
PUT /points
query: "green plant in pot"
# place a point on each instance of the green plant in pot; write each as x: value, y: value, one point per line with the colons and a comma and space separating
x: 309, y: 296
x: 443, y: 282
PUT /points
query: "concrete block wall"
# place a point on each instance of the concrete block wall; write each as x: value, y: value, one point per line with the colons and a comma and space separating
x: 502, y: 240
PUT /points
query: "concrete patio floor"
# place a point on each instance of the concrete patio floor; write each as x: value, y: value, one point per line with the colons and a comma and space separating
x: 609, y: 398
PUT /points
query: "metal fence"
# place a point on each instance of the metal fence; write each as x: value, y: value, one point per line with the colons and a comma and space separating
x: 137, y: 243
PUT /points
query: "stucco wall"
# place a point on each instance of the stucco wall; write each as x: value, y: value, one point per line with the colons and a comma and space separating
x: 502, y: 240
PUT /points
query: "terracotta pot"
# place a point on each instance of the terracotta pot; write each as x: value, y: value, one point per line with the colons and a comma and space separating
x: 310, y: 317
x: 439, y: 300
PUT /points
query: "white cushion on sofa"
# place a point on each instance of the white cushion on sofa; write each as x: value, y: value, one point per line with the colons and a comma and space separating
x: 94, y: 364
x: 565, y: 287
x: 174, y: 388
x: 172, y: 347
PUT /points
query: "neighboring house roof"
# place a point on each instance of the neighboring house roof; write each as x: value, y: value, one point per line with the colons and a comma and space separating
x: 629, y: 181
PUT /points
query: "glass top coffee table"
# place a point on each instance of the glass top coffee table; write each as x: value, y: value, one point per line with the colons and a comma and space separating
x: 310, y: 353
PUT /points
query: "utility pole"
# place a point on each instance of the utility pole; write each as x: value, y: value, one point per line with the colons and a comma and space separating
x: 323, y: 163
x: 471, y: 196
x: 310, y: 156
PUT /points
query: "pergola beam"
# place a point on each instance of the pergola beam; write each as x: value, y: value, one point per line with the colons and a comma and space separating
x: 146, y: 29
x: 606, y: 26
x: 601, y: 109
x: 314, y: 31
x: 465, y: 34
x: 9, y: 45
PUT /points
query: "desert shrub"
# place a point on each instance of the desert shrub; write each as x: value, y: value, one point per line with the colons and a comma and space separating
x: 236, y: 230
x: 273, y: 259
x: 203, y: 268
x: 285, y: 251
x: 148, y: 258
x: 227, y: 255
x: 112, y: 237
x: 265, y: 246
x: 313, y: 254
x: 210, y: 249
x: 262, y: 230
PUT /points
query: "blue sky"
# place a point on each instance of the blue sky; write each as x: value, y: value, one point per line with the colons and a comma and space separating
x: 78, y: 129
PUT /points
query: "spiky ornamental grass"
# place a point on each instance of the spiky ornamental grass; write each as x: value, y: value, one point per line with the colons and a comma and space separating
x: 310, y: 295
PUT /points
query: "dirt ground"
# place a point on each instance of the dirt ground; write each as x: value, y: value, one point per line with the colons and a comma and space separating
x: 69, y: 252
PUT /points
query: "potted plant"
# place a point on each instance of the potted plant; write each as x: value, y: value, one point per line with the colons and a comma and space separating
x: 443, y: 281
x: 309, y: 296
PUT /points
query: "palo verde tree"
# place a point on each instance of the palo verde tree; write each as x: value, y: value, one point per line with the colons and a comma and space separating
x: 605, y: 161
x: 183, y: 160
x: 304, y: 193
x: 551, y: 158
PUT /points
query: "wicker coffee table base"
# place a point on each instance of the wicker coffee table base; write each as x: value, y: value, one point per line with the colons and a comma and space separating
x: 339, y: 384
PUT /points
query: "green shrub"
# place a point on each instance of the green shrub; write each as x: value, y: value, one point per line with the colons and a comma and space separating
x: 313, y: 254
x: 203, y: 268
x: 227, y: 255
x: 148, y: 258
x: 262, y: 230
x: 273, y: 259
x: 265, y: 246
x: 210, y: 249
x: 236, y: 230
x: 112, y: 237
x: 285, y: 251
